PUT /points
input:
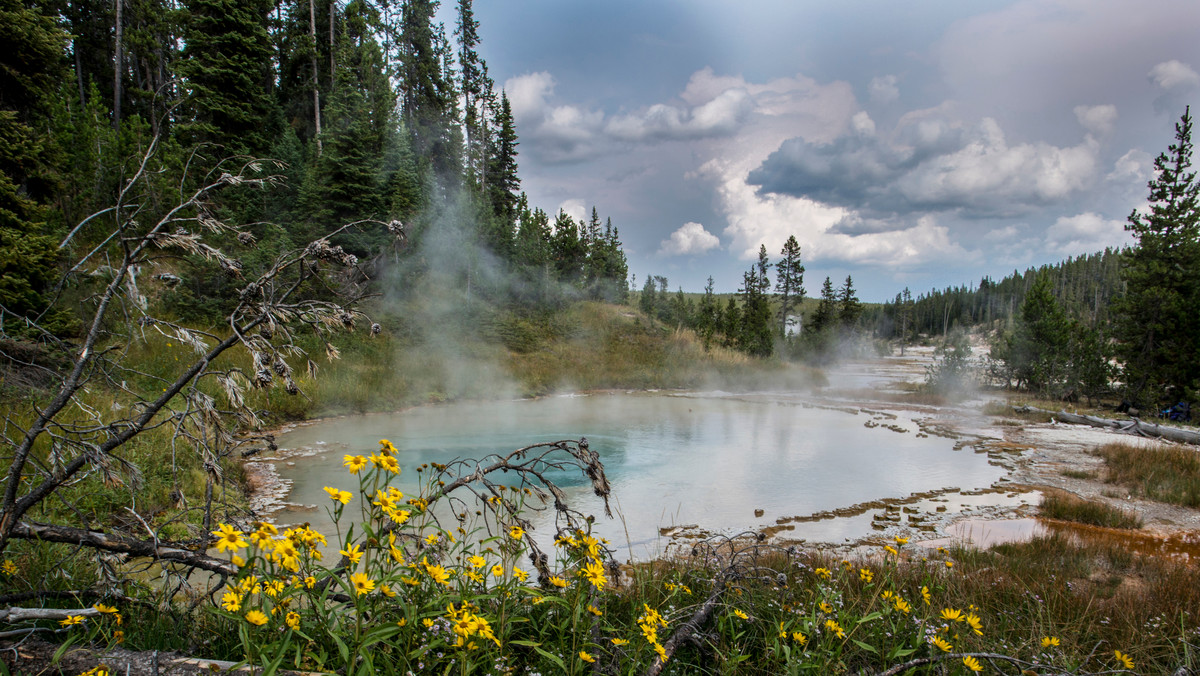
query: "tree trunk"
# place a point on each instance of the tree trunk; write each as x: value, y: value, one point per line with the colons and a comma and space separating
x: 1132, y: 426
x: 312, y: 32
x: 117, y: 71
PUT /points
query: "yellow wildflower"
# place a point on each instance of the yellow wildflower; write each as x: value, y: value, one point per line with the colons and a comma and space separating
x: 516, y: 532
x: 231, y: 601
x: 901, y: 605
x: 228, y: 539
x: 976, y: 625
x: 71, y: 621
x: 438, y: 573
x: 925, y: 596
x: 594, y: 610
x: 835, y: 629
x: 901, y: 541
x: 352, y: 552
x: 942, y: 644
x: 890, y: 550
x: 594, y: 572
x: 354, y: 463
x: 799, y: 638
x: 293, y: 620
x: 389, y: 463
x: 9, y: 568
x: 362, y: 583
x: 825, y: 607
x: 972, y: 664
x: 823, y: 573
x: 740, y: 614
x: 619, y: 642
x: 586, y: 657
x: 520, y: 574
x: 107, y: 610
x: 498, y: 570
x: 477, y: 561
x: 1050, y: 642
x: 432, y: 539
x: 1123, y: 659
x: 256, y: 617
x: 558, y: 581
x: 386, y: 446
x: 865, y: 575
x: 952, y: 615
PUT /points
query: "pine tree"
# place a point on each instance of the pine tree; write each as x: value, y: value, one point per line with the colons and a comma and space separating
x: 1037, y: 351
x: 31, y: 69
x: 849, y: 309
x: 228, y: 74
x: 706, y: 314
x: 789, y: 281
x: 346, y: 181
x: 503, y: 184
x: 428, y: 97
x: 1158, y: 326
x: 757, y: 325
x: 827, y: 308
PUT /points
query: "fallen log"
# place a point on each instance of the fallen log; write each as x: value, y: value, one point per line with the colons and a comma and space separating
x: 1133, y: 426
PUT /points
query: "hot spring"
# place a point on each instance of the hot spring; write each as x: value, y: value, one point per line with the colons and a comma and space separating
x: 709, y: 460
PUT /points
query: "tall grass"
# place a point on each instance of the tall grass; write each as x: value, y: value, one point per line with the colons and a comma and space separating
x: 1068, y: 507
x: 1165, y: 474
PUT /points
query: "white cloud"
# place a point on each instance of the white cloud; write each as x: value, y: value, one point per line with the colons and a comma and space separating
x: 691, y: 238
x: 527, y: 94
x: 988, y: 175
x: 1174, y: 75
x: 1098, y: 120
x: 769, y: 219
x: 722, y: 115
x: 930, y: 164
x: 1006, y: 233
x: 713, y: 108
x: 1085, y: 233
x: 883, y: 89
x: 1133, y: 168
x: 862, y: 124
x: 574, y: 208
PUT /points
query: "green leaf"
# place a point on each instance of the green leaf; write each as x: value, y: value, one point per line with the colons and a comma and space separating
x: 274, y: 665
x: 342, y: 649
x: 901, y: 652
x: 552, y: 657
x: 870, y: 618
x: 62, y: 649
x: 380, y: 634
x: 865, y: 646
x: 523, y: 642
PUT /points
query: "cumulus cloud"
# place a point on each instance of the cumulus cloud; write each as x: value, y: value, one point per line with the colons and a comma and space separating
x: 933, y: 165
x: 1098, y: 120
x: 1085, y: 233
x: 826, y: 233
x: 689, y: 239
x: 710, y: 107
x: 883, y: 89
x: 1177, y: 80
x: 1174, y: 75
x: 574, y: 208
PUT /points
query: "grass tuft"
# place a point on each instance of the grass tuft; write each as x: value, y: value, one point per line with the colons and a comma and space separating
x: 1067, y: 507
x: 1166, y: 474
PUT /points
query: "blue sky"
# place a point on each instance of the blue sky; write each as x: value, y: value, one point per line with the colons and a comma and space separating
x: 917, y: 144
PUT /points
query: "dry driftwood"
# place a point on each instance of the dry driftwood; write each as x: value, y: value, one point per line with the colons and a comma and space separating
x: 1133, y: 426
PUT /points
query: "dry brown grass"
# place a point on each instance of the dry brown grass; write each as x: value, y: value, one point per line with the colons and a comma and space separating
x: 1165, y: 474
